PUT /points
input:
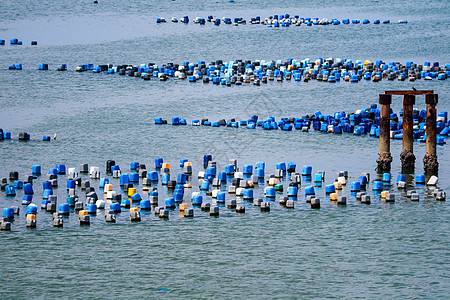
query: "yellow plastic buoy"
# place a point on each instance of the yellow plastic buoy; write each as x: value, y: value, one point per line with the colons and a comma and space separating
x: 187, y: 186
x: 131, y: 191
x: 31, y: 217
x: 188, y: 163
x: 166, y: 166
x: 334, y: 196
x: 338, y: 185
x: 347, y: 78
x: 383, y: 194
x: 250, y: 184
x: 133, y: 209
x: 289, y: 68
x: 183, y: 206
x: 83, y: 213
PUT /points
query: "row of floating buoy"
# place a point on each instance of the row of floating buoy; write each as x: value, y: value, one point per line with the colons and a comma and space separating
x: 23, y: 136
x: 285, y: 20
x: 16, y: 42
x: 240, y: 183
x: 260, y: 71
x: 362, y: 122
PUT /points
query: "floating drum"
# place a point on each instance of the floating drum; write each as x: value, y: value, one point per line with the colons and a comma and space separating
x: 390, y: 198
x: 64, y: 209
x: 265, y: 206
x: 355, y: 186
x: 433, y: 180
x: 315, y: 203
x: 365, y: 199
x: 377, y: 185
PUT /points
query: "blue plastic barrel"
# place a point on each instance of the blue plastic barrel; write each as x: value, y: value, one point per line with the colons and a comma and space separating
x: 222, y: 176
x: 229, y: 169
x: 91, y: 208
x: 220, y: 197
x: 27, y: 198
x: 10, y: 190
x: 309, y: 190
x: 134, y: 166
x: 178, y: 196
x: 270, y: 192
x: 355, y: 186
x: 204, y: 185
x: 307, y: 170
x: 145, y: 204
x: 247, y: 169
x: 8, y: 212
x: 46, y: 193
x: 206, y: 158
x: 169, y: 203
x: 158, y: 163
x: 292, y: 191
x: 124, y: 179
x: 136, y: 197
x: 18, y: 184
x: 182, y: 161
x: 386, y: 177
x: 181, y: 178
x: 248, y: 194
x: 197, y: 200
x: 401, y: 177
x: 36, y: 170
x: 115, y: 207
x: 71, y: 184
x: 377, y: 185
x: 125, y: 203
x: 420, y: 179
x: 165, y: 178
x: 362, y: 181
x: 260, y: 165
x: 318, y: 177
x: 64, y: 209
x: 281, y: 166
x: 259, y: 173
x: 61, y: 169
x: 211, y: 171
x: 31, y: 209
x: 330, y: 188
x: 153, y: 176
x: 133, y: 177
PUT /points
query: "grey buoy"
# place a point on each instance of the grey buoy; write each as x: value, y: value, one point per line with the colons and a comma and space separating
x: 390, y: 197
x: 5, y: 226
x: 110, y: 217
x: 240, y: 209
x: 290, y: 204
x: 206, y: 206
x: 231, y: 204
x: 265, y: 206
x: 342, y: 200
x: 365, y: 199
x: 189, y: 213
x: 315, y: 203
x: 214, y: 211
x: 257, y: 202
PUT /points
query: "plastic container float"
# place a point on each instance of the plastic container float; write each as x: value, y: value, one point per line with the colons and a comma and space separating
x: 420, y: 179
x: 377, y: 185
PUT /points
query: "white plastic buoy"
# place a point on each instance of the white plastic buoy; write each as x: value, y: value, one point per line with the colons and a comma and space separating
x: 433, y: 180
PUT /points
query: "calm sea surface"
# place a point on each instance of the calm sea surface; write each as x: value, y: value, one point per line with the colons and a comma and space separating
x: 382, y: 250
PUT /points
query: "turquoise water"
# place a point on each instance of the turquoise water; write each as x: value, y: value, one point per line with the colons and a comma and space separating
x: 375, y: 251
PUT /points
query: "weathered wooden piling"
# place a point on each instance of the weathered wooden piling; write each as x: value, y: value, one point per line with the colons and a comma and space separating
x: 384, y: 160
x: 407, y: 156
x: 430, y: 163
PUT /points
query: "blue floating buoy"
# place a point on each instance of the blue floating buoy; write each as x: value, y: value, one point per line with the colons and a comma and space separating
x: 248, y: 194
x: 115, y: 207
x: 178, y: 196
x: 18, y: 184
x: 270, y: 192
x: 181, y: 179
x: 8, y: 212
x: 197, y: 200
x: 170, y: 203
x: 33, y: 43
x: 145, y: 204
x: 91, y: 208
x: 204, y: 185
x: 47, y: 185
x: 36, y: 170
x: 355, y: 186
x: 133, y: 177
x: 71, y: 184
x: 125, y: 203
x: 165, y: 178
x: 136, y: 197
x: 31, y: 209
x: 27, y: 198
x: 134, y: 166
x: 420, y: 179
x: 401, y: 177
x: 330, y: 188
x: 153, y: 176
x: 47, y: 193
x: 377, y: 185
x: 307, y: 171
x: 247, y: 169
x: 292, y: 191
x: 124, y: 179
x: 46, y: 138
x: 220, y: 197
x: 10, y: 190
x: 259, y: 173
x: 64, y: 209
x: 386, y: 177
x: 309, y: 190
x: 158, y: 163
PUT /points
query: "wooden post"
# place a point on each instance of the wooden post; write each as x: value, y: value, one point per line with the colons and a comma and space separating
x: 430, y: 163
x: 407, y: 156
x: 384, y: 156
